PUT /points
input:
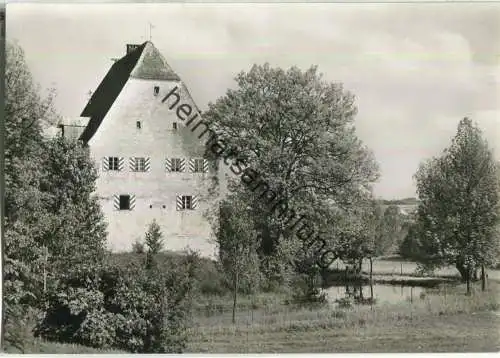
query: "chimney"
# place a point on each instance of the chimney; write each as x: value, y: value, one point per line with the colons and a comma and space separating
x: 131, y: 47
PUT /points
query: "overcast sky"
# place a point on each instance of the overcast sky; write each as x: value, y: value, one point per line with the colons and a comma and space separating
x: 416, y: 69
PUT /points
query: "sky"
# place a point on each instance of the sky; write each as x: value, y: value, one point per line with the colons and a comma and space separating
x: 415, y: 69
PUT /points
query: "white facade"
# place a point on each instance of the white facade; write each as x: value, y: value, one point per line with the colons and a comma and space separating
x: 139, y: 125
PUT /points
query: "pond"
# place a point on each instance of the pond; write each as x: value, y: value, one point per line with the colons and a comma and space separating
x: 382, y: 293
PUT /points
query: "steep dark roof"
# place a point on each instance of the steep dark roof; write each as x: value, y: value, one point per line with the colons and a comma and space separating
x: 153, y: 66
x: 145, y: 62
x: 108, y: 90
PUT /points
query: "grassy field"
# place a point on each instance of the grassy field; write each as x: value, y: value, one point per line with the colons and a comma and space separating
x: 431, y: 322
x: 397, y: 267
x: 39, y: 346
x: 456, y: 333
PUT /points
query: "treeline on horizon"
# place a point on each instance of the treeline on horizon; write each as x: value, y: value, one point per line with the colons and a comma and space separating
x: 404, y: 201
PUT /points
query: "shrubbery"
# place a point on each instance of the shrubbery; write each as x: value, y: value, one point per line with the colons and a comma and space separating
x: 136, y: 309
x: 306, y: 285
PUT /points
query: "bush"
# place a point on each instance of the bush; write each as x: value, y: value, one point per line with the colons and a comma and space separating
x: 211, y: 280
x: 131, y: 308
x: 306, y: 292
x: 96, y: 330
x: 69, y: 303
x: 306, y: 283
x: 18, y: 322
x: 138, y: 247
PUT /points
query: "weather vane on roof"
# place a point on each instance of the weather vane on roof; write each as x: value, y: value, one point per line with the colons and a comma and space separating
x: 151, y: 26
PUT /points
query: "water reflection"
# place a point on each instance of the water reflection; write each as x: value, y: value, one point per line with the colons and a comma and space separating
x: 381, y: 293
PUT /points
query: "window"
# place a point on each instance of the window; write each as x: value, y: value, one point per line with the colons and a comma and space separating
x: 199, y: 165
x: 187, y: 202
x: 140, y: 164
x: 113, y: 163
x: 138, y: 124
x: 174, y: 126
x: 124, y: 202
x: 176, y: 165
x: 156, y: 90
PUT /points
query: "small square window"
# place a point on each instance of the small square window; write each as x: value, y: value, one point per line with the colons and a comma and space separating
x: 187, y: 202
x: 140, y: 164
x: 138, y: 124
x: 199, y: 165
x: 156, y: 90
x: 174, y: 126
x: 176, y: 165
x: 113, y: 163
x: 124, y: 202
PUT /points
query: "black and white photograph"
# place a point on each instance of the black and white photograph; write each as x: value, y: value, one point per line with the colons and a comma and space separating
x: 235, y: 177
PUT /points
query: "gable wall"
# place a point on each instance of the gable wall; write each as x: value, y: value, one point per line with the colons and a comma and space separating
x: 156, y: 139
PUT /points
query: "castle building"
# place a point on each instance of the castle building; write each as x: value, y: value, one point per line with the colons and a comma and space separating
x: 150, y: 164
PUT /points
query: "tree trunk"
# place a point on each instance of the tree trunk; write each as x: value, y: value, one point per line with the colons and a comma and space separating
x: 463, y: 271
x: 475, y: 275
x: 345, y: 278
x: 323, y: 274
x: 371, y: 278
x: 483, y: 279
x: 371, y: 270
x: 467, y: 279
x: 235, y: 295
x: 45, y: 270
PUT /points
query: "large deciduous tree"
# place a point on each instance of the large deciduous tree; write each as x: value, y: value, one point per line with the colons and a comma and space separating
x: 290, y: 133
x: 458, y: 211
x: 26, y: 114
x: 53, y: 222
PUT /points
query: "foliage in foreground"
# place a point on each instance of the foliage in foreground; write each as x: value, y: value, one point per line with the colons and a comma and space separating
x: 137, y: 309
x: 53, y: 222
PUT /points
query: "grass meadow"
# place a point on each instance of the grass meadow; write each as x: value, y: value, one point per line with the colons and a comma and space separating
x: 439, y: 319
x: 431, y: 322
